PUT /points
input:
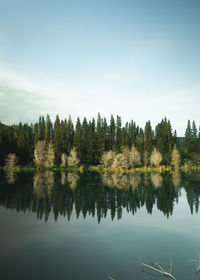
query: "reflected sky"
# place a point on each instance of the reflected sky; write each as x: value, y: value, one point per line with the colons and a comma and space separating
x: 81, y: 248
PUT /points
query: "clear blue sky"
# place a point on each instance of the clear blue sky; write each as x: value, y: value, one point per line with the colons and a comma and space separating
x: 139, y: 59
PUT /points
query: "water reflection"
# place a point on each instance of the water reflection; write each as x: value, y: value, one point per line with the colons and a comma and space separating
x: 72, y: 179
x: 121, y: 181
x: 98, y: 194
x: 176, y: 178
x: 43, y: 184
x: 156, y: 179
x: 63, y: 179
x: 10, y: 176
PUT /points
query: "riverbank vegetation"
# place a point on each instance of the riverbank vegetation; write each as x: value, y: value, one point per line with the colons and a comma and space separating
x: 97, y: 144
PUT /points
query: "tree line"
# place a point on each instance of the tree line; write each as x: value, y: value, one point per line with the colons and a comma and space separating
x: 94, y: 139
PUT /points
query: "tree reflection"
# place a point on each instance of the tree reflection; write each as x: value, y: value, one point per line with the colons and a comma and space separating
x: 43, y: 183
x: 97, y: 194
x: 176, y: 178
x: 63, y: 179
x: 10, y: 176
x: 72, y: 179
x: 121, y: 181
x: 156, y: 179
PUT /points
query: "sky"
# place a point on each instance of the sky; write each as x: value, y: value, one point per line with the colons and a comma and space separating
x: 139, y: 59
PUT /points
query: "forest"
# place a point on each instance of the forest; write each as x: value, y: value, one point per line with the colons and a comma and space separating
x: 98, y: 140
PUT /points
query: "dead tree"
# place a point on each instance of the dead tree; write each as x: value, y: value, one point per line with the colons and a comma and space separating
x: 158, y: 268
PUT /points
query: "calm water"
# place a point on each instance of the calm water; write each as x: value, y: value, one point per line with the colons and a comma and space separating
x: 88, y: 226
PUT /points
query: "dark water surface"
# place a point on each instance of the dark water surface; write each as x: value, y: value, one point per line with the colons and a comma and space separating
x: 88, y: 226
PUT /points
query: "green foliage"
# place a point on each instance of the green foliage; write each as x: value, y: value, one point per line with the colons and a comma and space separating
x: 92, y: 138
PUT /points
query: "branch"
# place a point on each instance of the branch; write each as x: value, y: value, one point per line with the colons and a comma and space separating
x: 158, y: 268
x: 197, y: 266
x: 110, y: 278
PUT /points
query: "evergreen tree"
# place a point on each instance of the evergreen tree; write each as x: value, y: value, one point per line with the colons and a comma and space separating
x: 105, y: 134
x: 194, y: 130
x: 188, y: 132
x: 41, y: 128
x: 91, y: 142
x: 132, y: 134
x: 57, y: 140
x: 118, y: 134
x: 99, y: 140
x: 164, y: 139
x: 78, y: 138
x: 35, y: 133
x: 125, y: 136
x: 84, y: 143
x: 48, y: 129
x: 112, y: 133
x: 148, y: 138
x: 70, y: 133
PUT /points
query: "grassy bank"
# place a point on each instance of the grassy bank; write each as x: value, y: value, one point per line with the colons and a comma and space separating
x: 101, y: 169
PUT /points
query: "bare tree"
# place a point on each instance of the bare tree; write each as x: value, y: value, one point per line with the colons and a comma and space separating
x: 40, y: 153
x: 146, y: 158
x: 50, y: 155
x: 63, y: 159
x: 73, y: 158
x: 175, y: 157
x: 156, y: 157
x: 134, y: 156
x: 120, y: 161
x: 44, y: 154
x: 11, y: 160
x: 108, y: 158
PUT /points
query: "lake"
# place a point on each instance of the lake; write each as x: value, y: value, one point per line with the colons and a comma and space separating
x: 91, y: 226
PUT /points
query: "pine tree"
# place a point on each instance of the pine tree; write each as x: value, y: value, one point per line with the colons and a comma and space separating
x: 188, y: 132
x: 70, y: 133
x: 105, y: 132
x: 35, y: 133
x: 148, y: 138
x: 48, y: 129
x: 84, y: 143
x: 91, y: 142
x: 125, y: 139
x: 41, y: 127
x: 78, y: 138
x: 57, y: 140
x: 194, y: 130
x: 118, y: 134
x: 99, y: 140
x: 112, y: 133
x: 132, y: 134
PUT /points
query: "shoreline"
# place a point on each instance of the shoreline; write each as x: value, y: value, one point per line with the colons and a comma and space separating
x: 100, y: 169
